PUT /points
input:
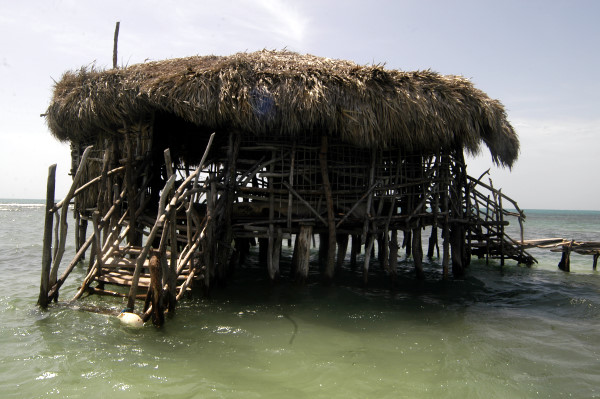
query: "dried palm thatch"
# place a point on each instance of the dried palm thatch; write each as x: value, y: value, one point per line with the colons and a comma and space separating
x: 285, y: 93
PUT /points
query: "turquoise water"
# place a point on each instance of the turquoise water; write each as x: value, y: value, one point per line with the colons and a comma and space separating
x: 512, y: 332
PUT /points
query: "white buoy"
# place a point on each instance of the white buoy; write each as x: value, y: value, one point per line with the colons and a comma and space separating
x: 131, y: 319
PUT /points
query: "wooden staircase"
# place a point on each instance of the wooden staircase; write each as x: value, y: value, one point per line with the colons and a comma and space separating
x: 486, y: 235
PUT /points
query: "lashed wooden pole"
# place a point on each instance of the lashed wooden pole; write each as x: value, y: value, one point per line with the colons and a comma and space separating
x: 160, y: 220
x: 47, y: 248
x: 330, y: 266
x: 63, y: 218
x: 115, y: 43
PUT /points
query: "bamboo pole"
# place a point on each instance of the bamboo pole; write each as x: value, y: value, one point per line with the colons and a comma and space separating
x: 47, y: 242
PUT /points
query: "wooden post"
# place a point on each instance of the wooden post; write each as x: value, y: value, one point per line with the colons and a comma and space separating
x: 342, y: 241
x: 368, y: 248
x: 407, y: 242
x: 160, y: 220
x: 47, y: 243
x: 60, y: 250
x: 302, y: 253
x: 272, y: 270
x: 83, y: 223
x: 596, y: 255
x: 226, y: 237
x: 275, y: 254
x: 171, y: 271
x: 155, y: 291
x: 393, y: 255
x: 263, y: 250
x: 417, y: 251
x: 134, y: 237
x: 433, y: 241
x: 457, y: 230
x: 330, y: 265
x: 98, y: 246
x: 115, y: 42
x: 565, y: 259
x: 446, y: 225
x: 501, y: 219
x: 445, y: 251
x: 323, y: 250
x: 290, y: 196
x: 355, y: 250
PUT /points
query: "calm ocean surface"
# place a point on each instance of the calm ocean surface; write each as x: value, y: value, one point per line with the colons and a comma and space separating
x: 512, y: 332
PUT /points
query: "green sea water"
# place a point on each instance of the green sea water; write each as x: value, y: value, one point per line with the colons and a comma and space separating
x: 510, y: 332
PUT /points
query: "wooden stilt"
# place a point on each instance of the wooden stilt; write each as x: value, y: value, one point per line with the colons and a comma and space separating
x: 417, y: 251
x: 456, y: 249
x: 160, y: 220
x: 134, y: 237
x: 445, y: 251
x: 275, y: 254
x: 382, y: 248
x: 323, y: 250
x: 47, y: 243
x: 565, y: 259
x: 272, y: 265
x: 595, y: 260
x: 98, y: 247
x: 170, y: 272
x: 155, y: 291
x: 82, y: 234
x: 226, y: 237
x: 446, y: 210
x: 302, y: 253
x: 355, y: 250
x: 263, y: 250
x: 60, y: 250
x: 433, y: 242
x: 368, y: 248
x: 342, y: 243
x: 393, y: 255
x: 407, y: 242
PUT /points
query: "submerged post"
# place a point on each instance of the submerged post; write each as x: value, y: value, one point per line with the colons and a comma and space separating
x: 47, y: 244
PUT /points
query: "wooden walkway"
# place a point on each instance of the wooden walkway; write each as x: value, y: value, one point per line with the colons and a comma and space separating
x: 566, y: 247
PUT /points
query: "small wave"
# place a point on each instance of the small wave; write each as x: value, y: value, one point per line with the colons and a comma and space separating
x: 13, y: 206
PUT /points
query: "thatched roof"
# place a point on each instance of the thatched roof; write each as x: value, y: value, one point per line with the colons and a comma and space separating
x: 285, y: 93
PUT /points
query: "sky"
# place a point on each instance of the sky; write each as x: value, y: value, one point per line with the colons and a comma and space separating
x: 539, y: 58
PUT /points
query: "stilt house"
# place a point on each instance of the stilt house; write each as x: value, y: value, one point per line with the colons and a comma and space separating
x: 181, y: 165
